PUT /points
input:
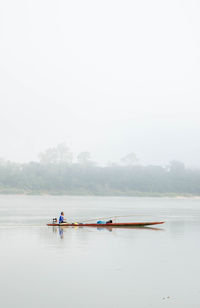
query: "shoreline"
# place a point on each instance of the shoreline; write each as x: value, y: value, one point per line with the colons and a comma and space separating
x: 100, y: 194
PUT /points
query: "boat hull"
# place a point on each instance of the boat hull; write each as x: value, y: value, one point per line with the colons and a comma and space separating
x: 123, y: 224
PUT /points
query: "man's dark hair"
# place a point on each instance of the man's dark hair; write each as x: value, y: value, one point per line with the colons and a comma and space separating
x: 62, y: 213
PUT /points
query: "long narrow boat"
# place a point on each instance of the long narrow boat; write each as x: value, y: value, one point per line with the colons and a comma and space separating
x: 120, y: 224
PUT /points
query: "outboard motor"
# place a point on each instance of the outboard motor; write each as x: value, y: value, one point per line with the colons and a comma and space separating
x: 54, y: 220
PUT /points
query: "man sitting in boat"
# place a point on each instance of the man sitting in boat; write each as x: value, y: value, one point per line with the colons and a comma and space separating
x: 62, y: 218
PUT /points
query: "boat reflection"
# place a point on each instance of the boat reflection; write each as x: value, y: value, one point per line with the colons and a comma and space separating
x: 110, y: 228
x: 62, y: 229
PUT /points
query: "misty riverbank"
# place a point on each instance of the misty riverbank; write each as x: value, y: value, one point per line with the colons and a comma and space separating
x: 9, y: 191
x: 89, y: 180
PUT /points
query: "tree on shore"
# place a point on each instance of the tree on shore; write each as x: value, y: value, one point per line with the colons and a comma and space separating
x: 130, y: 159
x: 56, y: 155
x: 84, y: 159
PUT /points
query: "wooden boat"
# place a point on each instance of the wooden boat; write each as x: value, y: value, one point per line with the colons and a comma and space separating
x: 120, y: 224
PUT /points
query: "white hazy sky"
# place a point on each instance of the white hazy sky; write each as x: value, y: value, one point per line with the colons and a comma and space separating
x: 108, y: 76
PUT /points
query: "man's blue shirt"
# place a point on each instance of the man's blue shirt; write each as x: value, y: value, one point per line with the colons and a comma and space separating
x: 61, y: 219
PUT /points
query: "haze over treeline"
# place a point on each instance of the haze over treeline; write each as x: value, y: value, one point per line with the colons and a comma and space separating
x: 58, y: 173
x: 108, y: 76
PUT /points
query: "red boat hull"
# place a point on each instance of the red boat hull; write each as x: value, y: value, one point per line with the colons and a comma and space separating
x: 122, y: 224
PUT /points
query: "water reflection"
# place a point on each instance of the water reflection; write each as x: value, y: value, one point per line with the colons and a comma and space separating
x: 55, y: 229
x: 60, y: 232
x: 62, y: 229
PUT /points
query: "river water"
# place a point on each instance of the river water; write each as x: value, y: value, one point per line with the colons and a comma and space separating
x: 145, y: 267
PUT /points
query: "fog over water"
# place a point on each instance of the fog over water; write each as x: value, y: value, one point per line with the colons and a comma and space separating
x: 107, y: 77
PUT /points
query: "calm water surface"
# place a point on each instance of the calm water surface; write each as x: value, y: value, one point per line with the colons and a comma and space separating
x: 44, y: 266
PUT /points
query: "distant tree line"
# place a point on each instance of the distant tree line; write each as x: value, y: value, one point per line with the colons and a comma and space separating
x: 57, y: 174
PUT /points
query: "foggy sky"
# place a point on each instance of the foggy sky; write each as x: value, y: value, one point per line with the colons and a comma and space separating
x: 110, y: 77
